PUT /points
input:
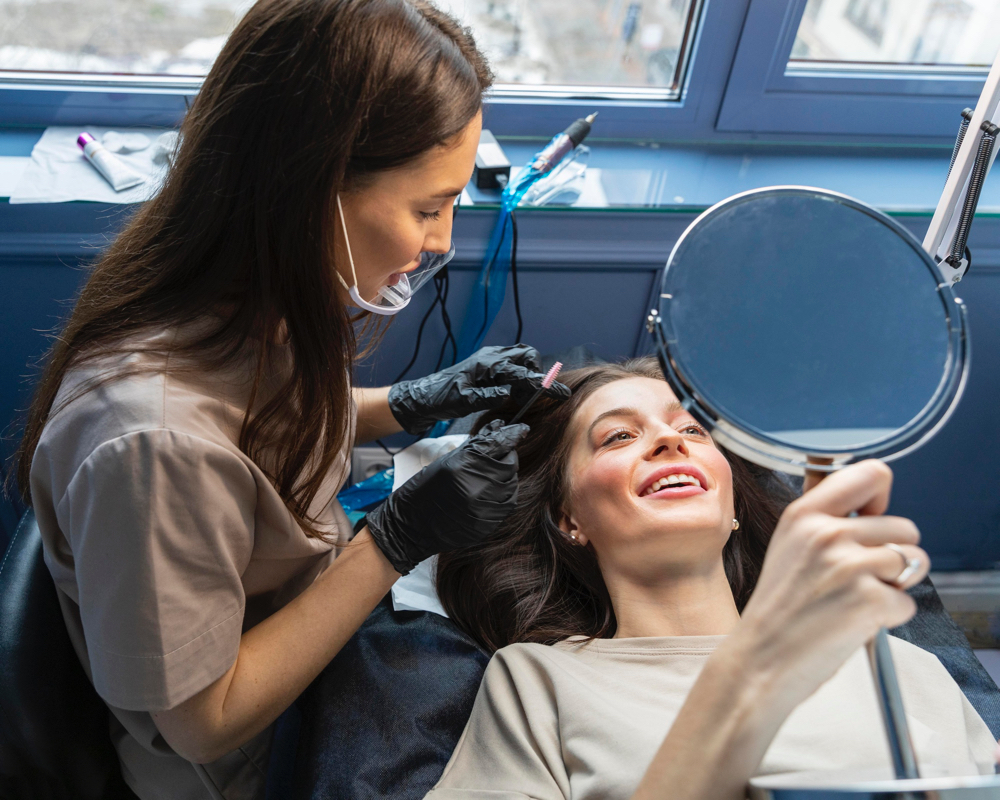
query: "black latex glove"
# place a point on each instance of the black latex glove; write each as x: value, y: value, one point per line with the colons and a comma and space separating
x: 457, y: 501
x: 481, y: 382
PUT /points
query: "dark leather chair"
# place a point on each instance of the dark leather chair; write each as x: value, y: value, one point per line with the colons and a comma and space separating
x: 54, y: 740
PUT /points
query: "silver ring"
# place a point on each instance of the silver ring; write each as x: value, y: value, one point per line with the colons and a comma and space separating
x: 910, y: 565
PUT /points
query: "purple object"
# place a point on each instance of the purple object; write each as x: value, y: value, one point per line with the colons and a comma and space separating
x: 84, y: 139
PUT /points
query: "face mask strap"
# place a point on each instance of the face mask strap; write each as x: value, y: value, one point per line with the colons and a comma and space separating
x: 347, y: 241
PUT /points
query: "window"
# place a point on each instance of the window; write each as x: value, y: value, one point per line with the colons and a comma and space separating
x: 899, y: 69
x: 140, y: 37
x: 570, y: 46
x: 577, y: 47
x: 963, y: 33
x: 140, y: 62
x: 654, y: 69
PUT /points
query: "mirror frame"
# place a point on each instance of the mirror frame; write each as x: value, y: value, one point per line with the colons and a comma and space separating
x: 759, y: 446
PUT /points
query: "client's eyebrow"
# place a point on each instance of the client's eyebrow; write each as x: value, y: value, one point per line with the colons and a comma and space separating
x: 628, y: 411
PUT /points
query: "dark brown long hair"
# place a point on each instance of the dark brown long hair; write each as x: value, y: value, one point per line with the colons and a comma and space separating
x: 530, y: 583
x: 308, y: 98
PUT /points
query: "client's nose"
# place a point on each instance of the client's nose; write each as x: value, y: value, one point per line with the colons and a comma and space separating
x: 668, y: 440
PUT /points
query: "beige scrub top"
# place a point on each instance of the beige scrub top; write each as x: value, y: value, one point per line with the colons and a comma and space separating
x: 166, y: 543
x: 584, y: 722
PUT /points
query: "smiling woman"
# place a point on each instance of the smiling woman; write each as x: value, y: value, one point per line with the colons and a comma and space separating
x: 535, y: 583
x: 646, y: 647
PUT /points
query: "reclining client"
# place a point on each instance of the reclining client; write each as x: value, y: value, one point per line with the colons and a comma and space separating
x: 646, y: 647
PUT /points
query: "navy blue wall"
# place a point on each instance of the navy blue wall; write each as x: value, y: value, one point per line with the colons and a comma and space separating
x: 586, y: 278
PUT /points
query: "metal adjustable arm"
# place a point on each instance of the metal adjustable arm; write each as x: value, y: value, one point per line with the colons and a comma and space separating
x: 948, y: 234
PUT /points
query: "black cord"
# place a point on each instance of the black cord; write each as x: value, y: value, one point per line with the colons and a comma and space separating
x: 968, y: 260
x: 420, y: 333
x: 513, y: 276
x: 381, y: 444
x: 443, y: 284
x: 443, y: 289
x: 489, y: 275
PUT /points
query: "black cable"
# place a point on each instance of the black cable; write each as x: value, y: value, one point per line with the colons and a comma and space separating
x: 440, y: 279
x: 968, y: 260
x: 449, y: 336
x: 489, y: 274
x: 381, y: 444
x: 513, y: 276
x: 416, y: 348
x: 443, y: 289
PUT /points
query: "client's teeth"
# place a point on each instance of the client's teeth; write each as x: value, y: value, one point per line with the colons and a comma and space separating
x: 677, y: 479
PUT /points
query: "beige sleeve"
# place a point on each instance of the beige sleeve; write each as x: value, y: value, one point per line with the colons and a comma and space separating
x: 161, y: 528
x: 933, y: 696
x: 510, y: 747
x: 982, y: 745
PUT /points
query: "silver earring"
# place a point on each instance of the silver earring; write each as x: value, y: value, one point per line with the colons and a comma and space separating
x: 736, y: 524
x: 573, y: 537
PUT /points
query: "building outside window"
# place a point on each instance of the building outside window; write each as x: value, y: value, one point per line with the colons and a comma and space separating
x: 956, y: 33
x: 541, y: 43
x: 869, y: 17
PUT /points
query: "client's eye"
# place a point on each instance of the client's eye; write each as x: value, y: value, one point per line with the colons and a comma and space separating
x: 619, y: 435
x: 430, y: 214
x: 697, y: 430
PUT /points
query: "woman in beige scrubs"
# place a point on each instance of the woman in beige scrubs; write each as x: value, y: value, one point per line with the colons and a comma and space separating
x: 193, y: 423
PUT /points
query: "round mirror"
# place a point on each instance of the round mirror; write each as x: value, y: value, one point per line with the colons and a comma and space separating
x: 806, y: 328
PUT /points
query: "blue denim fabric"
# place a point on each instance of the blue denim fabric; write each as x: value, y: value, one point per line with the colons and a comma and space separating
x: 382, y: 720
x: 11, y: 511
x: 933, y: 629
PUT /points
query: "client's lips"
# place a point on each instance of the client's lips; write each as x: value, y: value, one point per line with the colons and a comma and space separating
x: 675, y: 480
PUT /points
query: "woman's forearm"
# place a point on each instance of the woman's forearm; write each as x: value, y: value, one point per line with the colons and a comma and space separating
x: 722, y: 731
x: 280, y: 657
x: 375, y: 420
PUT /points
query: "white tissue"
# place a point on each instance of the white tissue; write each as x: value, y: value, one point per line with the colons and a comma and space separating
x: 416, y: 592
x: 125, y: 142
x: 58, y: 172
x: 165, y: 146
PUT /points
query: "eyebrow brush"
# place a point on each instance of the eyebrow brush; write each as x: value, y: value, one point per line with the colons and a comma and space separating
x: 547, y: 381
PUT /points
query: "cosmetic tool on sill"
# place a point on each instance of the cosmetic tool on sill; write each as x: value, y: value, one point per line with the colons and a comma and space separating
x: 547, y: 381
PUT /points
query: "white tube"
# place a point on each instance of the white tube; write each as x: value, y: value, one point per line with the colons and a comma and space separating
x: 115, y: 171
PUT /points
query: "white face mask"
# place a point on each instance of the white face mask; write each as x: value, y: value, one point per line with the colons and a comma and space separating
x: 392, y: 299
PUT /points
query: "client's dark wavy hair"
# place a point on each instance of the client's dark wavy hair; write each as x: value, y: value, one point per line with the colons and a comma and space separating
x: 530, y: 582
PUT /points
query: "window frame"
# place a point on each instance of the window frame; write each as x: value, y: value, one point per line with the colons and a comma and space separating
x: 40, y: 99
x: 736, y: 88
x: 875, y: 101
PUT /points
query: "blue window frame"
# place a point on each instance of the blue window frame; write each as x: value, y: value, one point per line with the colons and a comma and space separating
x: 767, y: 94
x: 739, y: 85
x: 692, y: 116
x: 28, y: 99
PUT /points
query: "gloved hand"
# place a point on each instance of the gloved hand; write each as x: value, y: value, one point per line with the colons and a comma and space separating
x: 481, y: 382
x: 457, y: 501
